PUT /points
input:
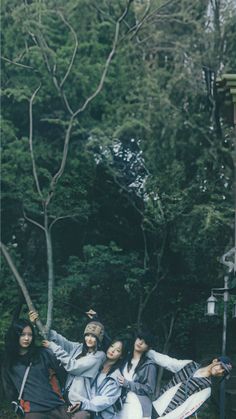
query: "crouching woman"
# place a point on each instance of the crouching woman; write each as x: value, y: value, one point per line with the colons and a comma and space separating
x: 105, y: 389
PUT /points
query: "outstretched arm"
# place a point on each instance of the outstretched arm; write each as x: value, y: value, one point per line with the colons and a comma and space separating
x: 67, y: 345
x: 93, y: 315
x: 165, y: 361
x: 82, y: 366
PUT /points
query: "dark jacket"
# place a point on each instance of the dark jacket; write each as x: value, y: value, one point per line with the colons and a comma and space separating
x: 41, y: 392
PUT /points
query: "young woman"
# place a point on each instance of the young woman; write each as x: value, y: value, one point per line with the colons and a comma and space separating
x: 189, y: 388
x: 138, y: 378
x: 81, y: 360
x: 41, y: 398
x: 105, y: 389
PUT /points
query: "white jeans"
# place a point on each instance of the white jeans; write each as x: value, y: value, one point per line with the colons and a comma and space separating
x: 132, y: 408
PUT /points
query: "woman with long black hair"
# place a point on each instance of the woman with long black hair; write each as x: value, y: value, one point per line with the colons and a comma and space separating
x: 138, y: 378
x: 41, y: 398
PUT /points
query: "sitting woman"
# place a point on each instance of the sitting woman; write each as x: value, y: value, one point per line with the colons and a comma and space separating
x: 189, y: 388
x: 41, y: 398
x: 81, y: 360
x: 105, y: 390
x: 138, y: 378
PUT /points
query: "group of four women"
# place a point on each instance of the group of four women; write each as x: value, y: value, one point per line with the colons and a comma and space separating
x: 114, y: 385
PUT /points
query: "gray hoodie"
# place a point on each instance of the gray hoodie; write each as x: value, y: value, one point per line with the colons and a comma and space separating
x: 80, y: 371
x: 144, y: 385
x: 103, y: 396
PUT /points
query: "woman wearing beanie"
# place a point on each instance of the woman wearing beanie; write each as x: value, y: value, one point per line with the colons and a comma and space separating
x: 81, y: 360
x: 138, y: 379
x: 105, y: 389
x: 189, y: 388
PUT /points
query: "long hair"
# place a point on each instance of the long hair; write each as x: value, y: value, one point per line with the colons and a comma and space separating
x: 124, y: 352
x: 12, y: 344
x: 12, y: 353
x: 85, y: 347
x: 149, y: 340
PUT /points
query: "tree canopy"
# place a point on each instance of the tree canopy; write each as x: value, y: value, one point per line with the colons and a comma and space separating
x: 117, y: 171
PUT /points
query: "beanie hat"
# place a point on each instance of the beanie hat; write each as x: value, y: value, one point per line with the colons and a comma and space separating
x: 226, y: 364
x: 95, y: 328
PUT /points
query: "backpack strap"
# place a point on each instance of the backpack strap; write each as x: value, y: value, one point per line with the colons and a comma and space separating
x: 24, y: 381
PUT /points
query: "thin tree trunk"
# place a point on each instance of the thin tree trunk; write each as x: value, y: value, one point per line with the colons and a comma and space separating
x: 21, y: 284
x: 165, y: 351
x: 51, y: 278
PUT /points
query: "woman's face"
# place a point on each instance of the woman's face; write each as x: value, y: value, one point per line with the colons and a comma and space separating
x: 90, y: 341
x: 217, y: 370
x: 26, y: 338
x: 140, y: 346
x: 114, y: 352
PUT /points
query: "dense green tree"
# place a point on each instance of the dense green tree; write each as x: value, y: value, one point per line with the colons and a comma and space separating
x: 143, y: 206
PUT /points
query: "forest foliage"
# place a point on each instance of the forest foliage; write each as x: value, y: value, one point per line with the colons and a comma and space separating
x: 143, y: 209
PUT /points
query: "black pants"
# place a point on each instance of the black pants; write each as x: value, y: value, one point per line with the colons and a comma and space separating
x: 83, y: 414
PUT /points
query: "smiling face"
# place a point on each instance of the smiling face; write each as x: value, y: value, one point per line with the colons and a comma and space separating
x: 114, y: 352
x: 26, y: 338
x: 217, y: 370
x: 140, y: 345
x: 90, y: 341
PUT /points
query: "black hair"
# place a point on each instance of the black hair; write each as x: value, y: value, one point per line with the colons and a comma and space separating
x: 148, y: 337
x: 150, y: 342
x: 12, y: 352
x: 124, y: 352
x: 12, y: 344
x: 85, y: 347
x: 207, y: 361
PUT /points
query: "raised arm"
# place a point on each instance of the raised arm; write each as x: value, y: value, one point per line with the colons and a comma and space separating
x: 167, y: 362
x: 64, y: 343
x: 93, y: 315
x: 67, y: 345
x: 85, y: 366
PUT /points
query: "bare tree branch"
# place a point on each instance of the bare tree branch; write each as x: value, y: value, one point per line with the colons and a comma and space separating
x: 147, y: 16
x: 41, y: 43
x: 44, y: 47
x: 166, y: 348
x: 31, y: 142
x: 21, y: 284
x: 108, y: 61
x: 51, y: 278
x: 57, y: 176
x: 33, y: 221
x: 61, y: 218
x: 16, y: 63
x: 59, y: 173
x: 75, y: 48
